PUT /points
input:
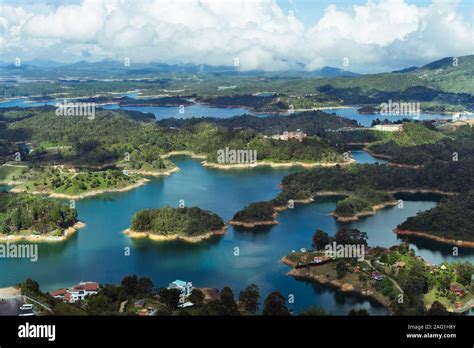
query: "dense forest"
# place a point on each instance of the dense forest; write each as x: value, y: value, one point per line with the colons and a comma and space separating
x: 19, y: 212
x: 309, y: 122
x: 117, y: 136
x: 457, y: 145
x: 305, y: 184
x: 452, y: 218
x: 176, y: 221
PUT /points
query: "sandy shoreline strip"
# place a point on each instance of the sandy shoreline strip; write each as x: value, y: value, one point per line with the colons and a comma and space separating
x: 162, y: 238
x: 275, y: 164
x: 355, y: 217
x: 461, y: 243
x: 67, y: 233
x: 85, y: 194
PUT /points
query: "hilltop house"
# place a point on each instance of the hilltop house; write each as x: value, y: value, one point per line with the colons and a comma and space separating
x: 298, y: 135
x: 77, y: 292
x: 388, y: 127
x: 184, y: 287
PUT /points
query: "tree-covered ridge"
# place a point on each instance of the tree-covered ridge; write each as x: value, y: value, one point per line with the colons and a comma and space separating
x: 114, y: 136
x: 309, y: 122
x: 457, y: 145
x: 452, y: 218
x: 362, y: 201
x: 415, y: 134
x: 306, y: 184
x: 168, y: 221
x: 255, y: 212
x: 20, y: 212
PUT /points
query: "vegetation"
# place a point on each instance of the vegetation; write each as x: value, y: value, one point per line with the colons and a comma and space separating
x: 256, y: 212
x: 72, y: 183
x: 452, y: 219
x: 363, y: 201
x: 168, y: 221
x: 25, y: 212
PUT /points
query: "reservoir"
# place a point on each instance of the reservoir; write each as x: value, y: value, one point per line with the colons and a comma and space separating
x: 97, y: 252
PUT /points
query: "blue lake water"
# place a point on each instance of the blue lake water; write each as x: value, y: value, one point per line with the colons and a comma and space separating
x: 201, y: 110
x: 366, y: 119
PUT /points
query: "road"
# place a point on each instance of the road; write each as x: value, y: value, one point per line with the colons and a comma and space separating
x: 11, y: 306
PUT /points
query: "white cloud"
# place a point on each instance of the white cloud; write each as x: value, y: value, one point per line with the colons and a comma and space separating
x: 379, y: 34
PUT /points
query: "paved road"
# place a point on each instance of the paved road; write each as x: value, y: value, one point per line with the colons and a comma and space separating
x: 11, y: 305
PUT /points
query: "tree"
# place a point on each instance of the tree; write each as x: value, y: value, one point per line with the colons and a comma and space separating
x: 249, y: 298
x: 227, y: 299
x: 465, y: 271
x: 130, y: 285
x: 350, y: 236
x: 437, y: 309
x: 30, y: 285
x: 213, y: 308
x: 341, y: 269
x: 196, y: 297
x: 170, y: 297
x: 275, y: 305
x: 320, y: 240
x: 145, y: 286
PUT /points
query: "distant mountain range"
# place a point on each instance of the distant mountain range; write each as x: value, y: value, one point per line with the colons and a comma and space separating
x: 109, y: 68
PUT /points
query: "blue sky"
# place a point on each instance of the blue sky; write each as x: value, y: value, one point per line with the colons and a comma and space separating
x: 309, y: 11
x: 375, y: 35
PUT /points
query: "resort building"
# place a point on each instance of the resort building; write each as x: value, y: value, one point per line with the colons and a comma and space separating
x: 77, y: 292
x: 388, y: 127
x: 184, y: 287
x: 298, y: 135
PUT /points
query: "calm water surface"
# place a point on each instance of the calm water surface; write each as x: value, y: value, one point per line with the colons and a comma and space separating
x: 97, y: 251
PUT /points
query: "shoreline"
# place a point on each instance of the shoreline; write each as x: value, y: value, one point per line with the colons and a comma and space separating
x: 461, y: 243
x: 67, y: 233
x: 157, y: 174
x: 87, y: 194
x: 341, y: 286
x: 256, y: 223
x: 275, y: 164
x: 183, y: 153
x: 161, y: 238
x: 355, y: 217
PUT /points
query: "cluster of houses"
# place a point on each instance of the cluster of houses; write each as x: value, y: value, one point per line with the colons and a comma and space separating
x: 77, y: 292
x: 298, y: 135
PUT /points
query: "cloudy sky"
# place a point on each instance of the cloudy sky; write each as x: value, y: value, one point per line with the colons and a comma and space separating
x: 369, y: 36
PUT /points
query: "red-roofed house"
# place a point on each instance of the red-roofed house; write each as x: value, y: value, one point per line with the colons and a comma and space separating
x: 59, y: 294
x: 77, y: 292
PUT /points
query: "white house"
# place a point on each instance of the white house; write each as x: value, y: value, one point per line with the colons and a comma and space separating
x: 77, y: 292
x: 184, y: 287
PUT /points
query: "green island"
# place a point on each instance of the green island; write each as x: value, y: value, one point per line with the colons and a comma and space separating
x: 37, y: 219
x: 395, y: 277
x: 60, y: 182
x: 449, y: 222
x: 64, y: 164
x: 188, y: 224
x: 255, y: 214
x: 364, y: 202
